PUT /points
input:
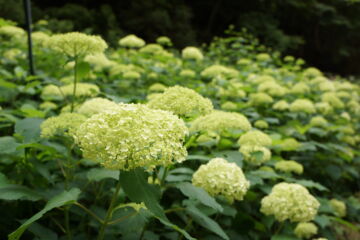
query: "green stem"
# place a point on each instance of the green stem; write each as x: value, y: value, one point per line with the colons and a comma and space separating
x: 75, y: 82
x: 89, y: 212
x: 109, y: 212
x: 166, y: 169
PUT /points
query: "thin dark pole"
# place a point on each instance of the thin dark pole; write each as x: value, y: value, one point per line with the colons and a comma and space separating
x: 28, y: 17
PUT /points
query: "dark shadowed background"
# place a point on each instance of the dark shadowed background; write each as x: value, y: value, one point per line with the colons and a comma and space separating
x: 325, y: 33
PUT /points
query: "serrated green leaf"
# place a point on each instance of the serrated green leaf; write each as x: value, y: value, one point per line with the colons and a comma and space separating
x: 98, y: 174
x: 204, y: 221
x: 199, y: 194
x: 64, y: 198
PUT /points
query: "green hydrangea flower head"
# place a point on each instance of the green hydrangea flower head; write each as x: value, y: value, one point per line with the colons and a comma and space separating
x: 50, y: 92
x: 219, y: 71
x: 290, y: 144
x: 332, y: 99
x: 326, y: 86
x: 289, y: 59
x: 219, y: 122
x: 75, y: 44
x: 12, y: 31
x: 187, y: 73
x: 157, y: 87
x: 192, y: 53
x: 131, y: 41
x: 263, y: 57
x: 48, y: 105
x: 244, y: 61
x: 96, y: 105
x: 339, y: 207
x: 255, y: 137
x: 40, y: 39
x: 300, y: 88
x: 305, y: 230
x: 131, y: 75
x: 82, y: 90
x: 164, y: 41
x: 219, y: 177
x: 261, y: 79
x: 303, y: 105
x: 99, y: 61
x: 272, y: 88
x: 182, y: 101
x: 229, y: 106
x: 318, y: 121
x: 312, y: 72
x: 323, y: 107
x: 289, y: 167
x: 281, y: 105
x: 132, y: 136
x: 261, y: 124
x: 258, y: 99
x: 290, y: 201
x: 66, y: 124
x: 255, y: 154
x: 151, y: 48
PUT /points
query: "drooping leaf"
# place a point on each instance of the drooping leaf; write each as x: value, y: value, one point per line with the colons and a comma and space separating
x: 64, y: 198
x: 98, y: 174
x: 18, y: 192
x: 199, y: 194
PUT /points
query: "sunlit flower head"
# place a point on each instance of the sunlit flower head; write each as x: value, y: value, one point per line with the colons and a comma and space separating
x: 302, y: 105
x: 131, y: 41
x: 339, y: 207
x: 192, y: 53
x: 255, y: 154
x: 96, y: 105
x: 289, y: 167
x: 305, y: 230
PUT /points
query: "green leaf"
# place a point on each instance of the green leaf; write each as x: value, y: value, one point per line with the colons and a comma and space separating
x: 283, y: 237
x: 205, y: 221
x: 98, y: 174
x: 199, y: 194
x: 8, y: 145
x: 64, y: 198
x: 18, y: 192
x: 312, y: 184
x: 42, y: 232
x: 136, y: 187
x: 29, y: 128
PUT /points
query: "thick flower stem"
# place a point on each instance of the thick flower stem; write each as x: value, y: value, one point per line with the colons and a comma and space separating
x: 75, y: 82
x: 109, y: 212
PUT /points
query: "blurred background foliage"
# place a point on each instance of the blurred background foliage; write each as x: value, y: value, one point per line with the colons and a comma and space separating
x: 325, y: 33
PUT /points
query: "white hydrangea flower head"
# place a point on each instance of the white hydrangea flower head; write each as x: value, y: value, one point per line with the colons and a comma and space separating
x: 182, y: 101
x: 219, y: 122
x: 151, y: 48
x: 263, y: 57
x: 318, y: 121
x: 255, y: 154
x: 255, y: 137
x: 229, y: 106
x: 65, y: 124
x: 281, y: 105
x: 50, y: 92
x: 40, y: 38
x: 131, y: 75
x: 303, y: 105
x: 157, y: 87
x: 219, y: 177
x: 76, y: 44
x: 96, y: 105
x: 290, y: 144
x: 261, y: 124
x: 99, y: 61
x: 219, y: 70
x: 300, y: 88
x: 289, y: 167
x: 192, y: 53
x: 187, y: 73
x: 323, y: 107
x: 305, y: 230
x: 262, y: 79
x: 339, y: 207
x: 132, y: 136
x: 332, y: 99
x: 12, y: 32
x: 82, y: 90
x: 48, y: 105
x: 312, y: 72
x: 272, y: 88
x: 258, y: 99
x: 131, y: 41
x: 290, y: 201
x: 164, y: 41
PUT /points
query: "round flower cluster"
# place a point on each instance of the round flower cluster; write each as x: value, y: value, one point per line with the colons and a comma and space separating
x: 290, y: 144
x: 312, y: 72
x: 219, y: 177
x: 263, y: 78
x: 82, y: 89
x: 132, y: 136
x: 289, y: 166
x: 305, y: 230
x: 181, y: 101
x: 219, y: 121
x: 255, y: 154
x: 75, y: 44
x: 65, y: 124
x: 96, y: 105
x: 151, y: 48
x: 323, y: 107
x: 219, y: 70
x: 257, y: 99
x: 255, y: 137
x: 261, y: 124
x: 281, y: 105
x: 48, y: 105
x: 99, y: 61
x: 192, y: 53
x: 332, y: 99
x: 229, y: 106
x: 300, y: 88
x: 51, y: 92
x: 290, y: 201
x: 339, y: 207
x: 272, y: 88
x: 131, y: 75
x: 40, y: 38
x: 302, y: 105
x: 165, y: 41
x: 131, y: 41
x: 318, y: 121
x: 263, y: 57
x: 12, y: 31
x: 157, y: 87
x: 187, y: 73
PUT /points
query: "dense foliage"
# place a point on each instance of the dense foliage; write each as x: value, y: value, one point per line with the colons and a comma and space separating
x: 141, y: 141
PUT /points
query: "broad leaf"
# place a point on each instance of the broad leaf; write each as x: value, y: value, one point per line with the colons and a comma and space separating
x: 64, y: 198
x: 29, y: 128
x: 18, y: 192
x: 98, y: 174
